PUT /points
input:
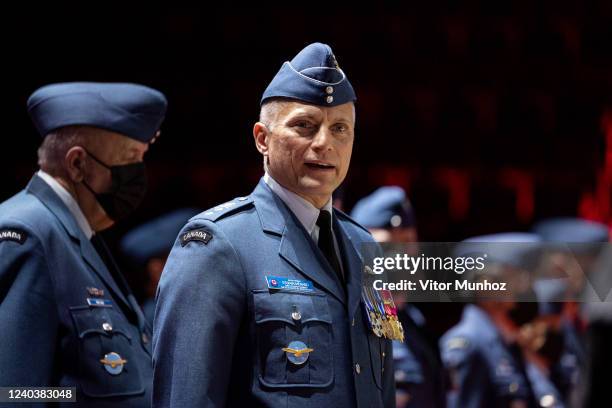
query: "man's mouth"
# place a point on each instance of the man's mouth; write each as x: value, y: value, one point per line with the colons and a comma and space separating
x: 317, y: 165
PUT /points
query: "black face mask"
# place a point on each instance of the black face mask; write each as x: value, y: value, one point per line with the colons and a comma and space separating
x: 128, y: 188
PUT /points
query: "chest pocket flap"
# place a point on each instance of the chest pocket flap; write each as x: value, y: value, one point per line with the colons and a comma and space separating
x: 106, y: 367
x: 287, y: 323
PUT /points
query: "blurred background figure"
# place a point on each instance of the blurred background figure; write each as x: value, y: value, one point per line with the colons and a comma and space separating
x: 573, y: 248
x: 419, y: 377
x: 593, y: 387
x: 482, y: 354
x: 543, y: 344
x: 146, y: 249
x: 388, y: 215
x: 574, y: 244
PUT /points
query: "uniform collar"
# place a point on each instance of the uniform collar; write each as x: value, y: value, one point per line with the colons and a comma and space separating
x: 69, y: 201
x: 41, y: 189
x: 477, y: 317
x: 304, y: 211
x: 277, y: 218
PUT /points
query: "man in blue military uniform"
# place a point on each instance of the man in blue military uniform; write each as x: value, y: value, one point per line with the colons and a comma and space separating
x: 387, y: 214
x: 419, y: 377
x: 482, y: 353
x: 147, y: 247
x: 542, y: 341
x: 68, y: 316
x: 260, y: 301
x: 574, y: 251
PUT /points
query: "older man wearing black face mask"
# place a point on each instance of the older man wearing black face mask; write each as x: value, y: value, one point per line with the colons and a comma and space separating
x: 68, y: 317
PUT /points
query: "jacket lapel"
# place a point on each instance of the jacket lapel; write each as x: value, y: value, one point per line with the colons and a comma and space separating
x: 91, y: 256
x: 51, y: 200
x: 353, y: 264
x: 296, y: 247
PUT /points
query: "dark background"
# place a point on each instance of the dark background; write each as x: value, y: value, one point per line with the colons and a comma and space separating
x: 492, y: 114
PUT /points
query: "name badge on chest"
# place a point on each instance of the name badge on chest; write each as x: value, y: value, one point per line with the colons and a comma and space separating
x: 298, y: 285
x: 99, y: 302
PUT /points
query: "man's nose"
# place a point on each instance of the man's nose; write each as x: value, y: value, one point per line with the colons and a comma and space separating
x: 322, y: 139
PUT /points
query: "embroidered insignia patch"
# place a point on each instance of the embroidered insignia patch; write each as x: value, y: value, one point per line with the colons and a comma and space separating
x: 11, y: 234
x: 196, y: 235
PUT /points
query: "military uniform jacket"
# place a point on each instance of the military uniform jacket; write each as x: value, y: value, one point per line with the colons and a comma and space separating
x: 51, y: 335
x: 483, y: 370
x: 219, y: 330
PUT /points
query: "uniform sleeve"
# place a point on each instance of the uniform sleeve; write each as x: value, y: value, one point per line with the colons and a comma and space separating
x: 467, y: 373
x: 27, y: 310
x: 200, y: 302
x: 388, y: 380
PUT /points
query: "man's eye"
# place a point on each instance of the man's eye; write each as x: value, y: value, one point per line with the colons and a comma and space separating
x: 303, y: 125
x: 340, y: 128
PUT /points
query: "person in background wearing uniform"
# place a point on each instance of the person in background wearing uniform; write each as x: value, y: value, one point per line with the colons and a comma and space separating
x: 593, y: 388
x: 543, y: 343
x: 147, y: 247
x: 68, y: 317
x: 482, y: 354
x: 260, y: 302
x: 419, y: 376
x: 575, y: 247
x: 388, y: 215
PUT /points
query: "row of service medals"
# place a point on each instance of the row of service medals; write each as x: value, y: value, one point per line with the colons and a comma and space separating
x: 382, y: 313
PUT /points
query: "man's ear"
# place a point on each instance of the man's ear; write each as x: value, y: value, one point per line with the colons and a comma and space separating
x: 261, y: 135
x: 74, y: 163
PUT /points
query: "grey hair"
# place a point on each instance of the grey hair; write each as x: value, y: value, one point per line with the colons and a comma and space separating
x: 268, y: 114
x: 269, y: 111
x: 56, y: 144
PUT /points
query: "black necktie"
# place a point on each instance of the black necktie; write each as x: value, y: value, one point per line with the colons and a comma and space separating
x: 106, y: 256
x: 102, y: 250
x: 326, y: 242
